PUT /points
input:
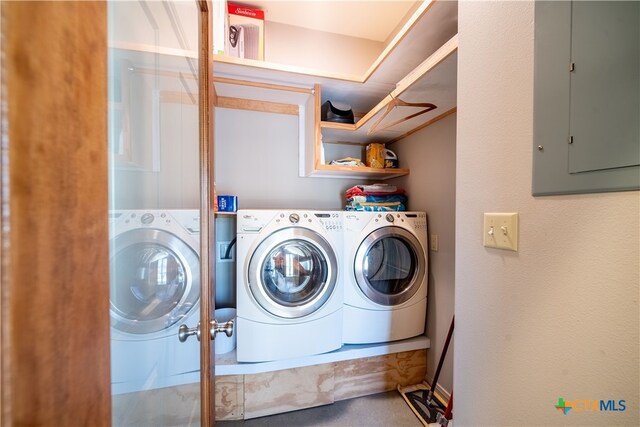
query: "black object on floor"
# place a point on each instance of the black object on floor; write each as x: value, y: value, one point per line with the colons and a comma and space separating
x: 427, y: 407
x: 421, y: 398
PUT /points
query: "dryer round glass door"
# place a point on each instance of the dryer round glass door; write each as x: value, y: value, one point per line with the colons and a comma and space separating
x: 292, y: 272
x: 155, y: 280
x: 389, y: 266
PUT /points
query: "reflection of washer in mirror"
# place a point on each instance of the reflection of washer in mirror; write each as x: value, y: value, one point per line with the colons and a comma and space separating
x: 155, y: 286
x: 156, y: 280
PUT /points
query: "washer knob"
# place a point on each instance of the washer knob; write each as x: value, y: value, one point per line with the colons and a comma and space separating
x: 147, y: 218
x: 294, y: 218
x: 389, y: 218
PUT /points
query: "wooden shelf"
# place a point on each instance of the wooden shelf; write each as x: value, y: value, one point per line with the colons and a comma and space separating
x: 400, y: 113
x: 433, y: 81
x: 340, y: 126
x: 360, y: 172
x: 418, y: 66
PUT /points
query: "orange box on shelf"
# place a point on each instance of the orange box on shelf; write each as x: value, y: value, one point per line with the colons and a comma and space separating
x: 375, y: 156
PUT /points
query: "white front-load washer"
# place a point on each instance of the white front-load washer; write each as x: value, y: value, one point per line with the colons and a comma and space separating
x: 289, y: 285
x: 385, y: 273
x: 155, y: 287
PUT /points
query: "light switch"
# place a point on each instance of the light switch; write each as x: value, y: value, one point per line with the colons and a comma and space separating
x: 501, y: 231
x: 434, y: 243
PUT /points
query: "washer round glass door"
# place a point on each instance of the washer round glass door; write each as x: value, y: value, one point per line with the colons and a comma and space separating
x: 155, y: 280
x: 389, y: 265
x: 292, y: 272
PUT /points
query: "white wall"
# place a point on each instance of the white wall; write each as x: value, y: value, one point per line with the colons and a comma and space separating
x: 256, y: 159
x: 321, y: 50
x: 161, y: 172
x: 560, y: 317
x: 431, y: 156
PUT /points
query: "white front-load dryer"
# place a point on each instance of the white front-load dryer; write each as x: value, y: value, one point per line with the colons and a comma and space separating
x: 289, y: 285
x: 385, y: 272
x: 155, y: 287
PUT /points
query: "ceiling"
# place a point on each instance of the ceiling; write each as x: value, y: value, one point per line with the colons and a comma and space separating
x: 373, y: 20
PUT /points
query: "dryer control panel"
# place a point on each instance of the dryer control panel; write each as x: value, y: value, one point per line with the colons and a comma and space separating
x: 419, y: 220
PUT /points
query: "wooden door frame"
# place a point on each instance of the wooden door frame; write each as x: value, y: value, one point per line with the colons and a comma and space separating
x: 55, y: 241
x: 206, y: 98
x: 54, y: 299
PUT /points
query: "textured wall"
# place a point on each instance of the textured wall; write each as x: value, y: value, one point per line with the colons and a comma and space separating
x: 431, y: 156
x: 559, y: 318
x: 301, y: 47
x: 257, y: 160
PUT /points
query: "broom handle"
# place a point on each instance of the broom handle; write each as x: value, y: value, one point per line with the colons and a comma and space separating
x: 444, y: 352
x: 447, y: 412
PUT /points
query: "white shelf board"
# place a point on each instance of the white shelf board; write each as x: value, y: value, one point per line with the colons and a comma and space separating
x: 357, y: 172
x: 438, y: 86
x: 226, y: 364
x: 262, y: 94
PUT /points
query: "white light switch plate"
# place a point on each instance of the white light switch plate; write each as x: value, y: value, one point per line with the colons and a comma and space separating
x: 500, y: 231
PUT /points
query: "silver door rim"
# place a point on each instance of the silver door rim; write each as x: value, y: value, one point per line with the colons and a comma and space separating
x: 256, y: 262
x: 189, y: 259
x: 362, y: 281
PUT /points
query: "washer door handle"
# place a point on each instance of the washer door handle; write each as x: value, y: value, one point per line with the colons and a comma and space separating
x: 185, y: 332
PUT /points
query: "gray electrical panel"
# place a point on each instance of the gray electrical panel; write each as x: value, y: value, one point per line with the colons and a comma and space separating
x: 586, y: 97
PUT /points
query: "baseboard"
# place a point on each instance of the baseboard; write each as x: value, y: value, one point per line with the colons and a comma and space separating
x: 440, y: 393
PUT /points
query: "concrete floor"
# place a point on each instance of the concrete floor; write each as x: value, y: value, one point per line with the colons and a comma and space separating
x: 383, y: 409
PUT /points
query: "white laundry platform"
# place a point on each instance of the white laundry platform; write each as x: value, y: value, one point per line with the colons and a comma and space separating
x: 226, y: 364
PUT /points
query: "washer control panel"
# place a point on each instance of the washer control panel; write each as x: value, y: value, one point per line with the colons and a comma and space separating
x: 330, y: 220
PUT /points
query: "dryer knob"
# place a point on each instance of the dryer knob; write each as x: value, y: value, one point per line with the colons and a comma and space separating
x: 294, y: 218
x: 389, y: 218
